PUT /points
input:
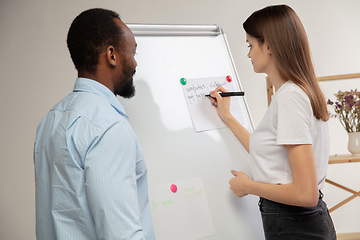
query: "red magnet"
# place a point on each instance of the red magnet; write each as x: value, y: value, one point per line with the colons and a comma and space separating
x: 228, y: 78
x: 173, y: 188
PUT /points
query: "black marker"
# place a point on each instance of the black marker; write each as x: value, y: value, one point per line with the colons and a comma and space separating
x: 229, y: 94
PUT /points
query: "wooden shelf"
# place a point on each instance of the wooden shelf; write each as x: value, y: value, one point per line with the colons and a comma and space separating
x: 348, y: 236
x: 346, y: 158
x: 339, y: 77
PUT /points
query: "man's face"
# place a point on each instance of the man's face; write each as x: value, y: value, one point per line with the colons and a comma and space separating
x: 124, y: 86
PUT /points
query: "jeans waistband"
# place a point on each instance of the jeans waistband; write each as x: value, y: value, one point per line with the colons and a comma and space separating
x: 272, y: 203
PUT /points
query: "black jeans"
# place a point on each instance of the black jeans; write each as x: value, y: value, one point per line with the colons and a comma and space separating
x: 285, y: 222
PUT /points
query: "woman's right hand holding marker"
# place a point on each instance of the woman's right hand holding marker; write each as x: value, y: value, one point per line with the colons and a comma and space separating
x: 222, y: 104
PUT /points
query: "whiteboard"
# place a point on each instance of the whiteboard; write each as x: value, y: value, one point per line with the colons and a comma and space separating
x: 160, y: 117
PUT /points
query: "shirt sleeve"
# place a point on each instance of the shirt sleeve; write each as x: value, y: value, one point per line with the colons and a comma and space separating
x: 293, y: 118
x: 111, y: 185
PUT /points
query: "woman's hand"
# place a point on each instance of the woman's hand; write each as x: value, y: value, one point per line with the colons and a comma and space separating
x: 302, y: 191
x: 238, y: 183
x: 223, y: 109
x: 222, y: 104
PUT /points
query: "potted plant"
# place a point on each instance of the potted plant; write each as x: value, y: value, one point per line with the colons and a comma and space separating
x: 347, y: 110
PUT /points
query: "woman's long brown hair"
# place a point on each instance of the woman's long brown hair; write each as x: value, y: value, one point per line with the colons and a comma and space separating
x: 283, y: 31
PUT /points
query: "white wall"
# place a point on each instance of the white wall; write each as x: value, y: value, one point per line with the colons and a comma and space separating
x: 36, y: 72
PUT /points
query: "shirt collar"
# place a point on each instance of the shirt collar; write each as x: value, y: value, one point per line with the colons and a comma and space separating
x: 88, y: 85
x: 281, y: 88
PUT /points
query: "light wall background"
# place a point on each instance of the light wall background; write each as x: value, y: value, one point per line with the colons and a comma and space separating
x: 36, y: 72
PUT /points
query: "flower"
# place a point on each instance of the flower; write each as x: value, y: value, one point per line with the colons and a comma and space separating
x: 347, y: 109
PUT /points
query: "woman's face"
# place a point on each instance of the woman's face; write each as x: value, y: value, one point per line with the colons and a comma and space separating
x: 259, y: 54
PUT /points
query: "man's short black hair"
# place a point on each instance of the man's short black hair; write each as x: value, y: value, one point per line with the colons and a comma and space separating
x: 89, y: 34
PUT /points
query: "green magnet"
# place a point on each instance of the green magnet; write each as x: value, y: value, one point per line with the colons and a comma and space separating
x: 183, y: 81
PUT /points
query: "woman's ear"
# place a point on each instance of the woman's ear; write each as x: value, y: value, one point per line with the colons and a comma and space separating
x: 266, y: 45
x: 110, y: 56
x: 268, y: 48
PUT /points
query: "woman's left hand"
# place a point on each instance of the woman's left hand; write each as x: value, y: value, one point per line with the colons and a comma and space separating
x: 238, y: 183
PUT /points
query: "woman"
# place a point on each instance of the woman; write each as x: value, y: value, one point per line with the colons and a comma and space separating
x: 289, y: 149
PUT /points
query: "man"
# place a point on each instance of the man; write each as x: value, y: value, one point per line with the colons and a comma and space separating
x: 90, y: 173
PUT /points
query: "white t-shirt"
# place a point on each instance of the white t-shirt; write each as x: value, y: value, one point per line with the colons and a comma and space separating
x: 289, y: 120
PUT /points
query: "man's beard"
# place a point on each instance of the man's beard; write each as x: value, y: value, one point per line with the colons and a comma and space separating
x: 126, y: 88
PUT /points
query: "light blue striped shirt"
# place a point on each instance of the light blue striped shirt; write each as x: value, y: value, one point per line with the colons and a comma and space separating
x: 90, y: 172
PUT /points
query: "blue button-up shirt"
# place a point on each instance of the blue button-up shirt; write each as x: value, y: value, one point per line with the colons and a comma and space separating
x: 90, y: 173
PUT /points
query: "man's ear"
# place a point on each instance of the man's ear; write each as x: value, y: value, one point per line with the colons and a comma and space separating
x: 110, y: 56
